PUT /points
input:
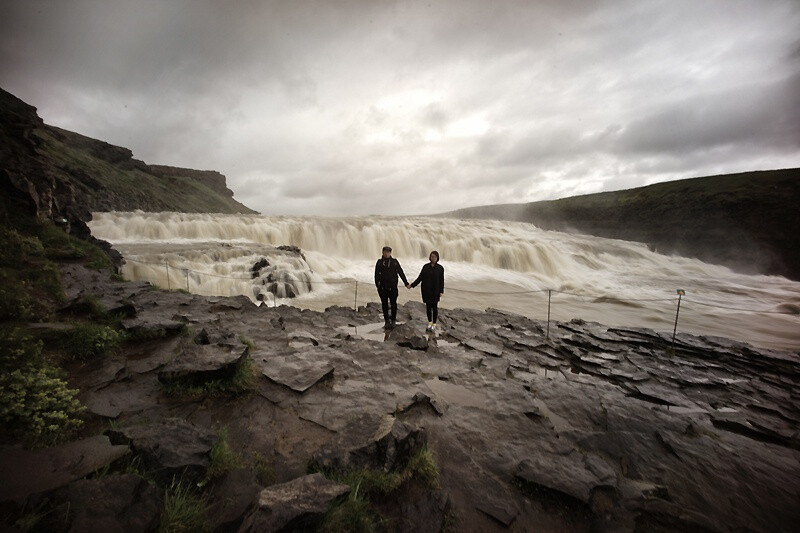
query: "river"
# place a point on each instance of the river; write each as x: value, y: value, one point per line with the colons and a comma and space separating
x: 505, y: 265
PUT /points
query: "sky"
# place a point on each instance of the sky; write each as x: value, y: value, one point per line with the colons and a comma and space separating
x: 361, y: 107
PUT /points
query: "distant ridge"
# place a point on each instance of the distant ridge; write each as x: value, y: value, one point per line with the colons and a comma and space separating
x: 749, y: 221
x: 65, y: 176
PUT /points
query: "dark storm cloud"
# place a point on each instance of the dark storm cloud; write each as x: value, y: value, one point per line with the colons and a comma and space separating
x: 354, y: 107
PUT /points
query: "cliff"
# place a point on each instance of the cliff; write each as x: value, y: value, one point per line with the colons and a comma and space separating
x: 64, y: 176
x: 748, y: 222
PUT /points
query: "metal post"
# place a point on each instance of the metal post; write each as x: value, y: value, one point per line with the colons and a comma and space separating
x: 355, y: 300
x: 681, y: 292
x: 167, y: 266
x: 547, y: 335
x: 187, y: 279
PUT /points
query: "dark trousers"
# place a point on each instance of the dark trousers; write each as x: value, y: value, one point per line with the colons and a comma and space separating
x: 432, y: 308
x: 388, y: 296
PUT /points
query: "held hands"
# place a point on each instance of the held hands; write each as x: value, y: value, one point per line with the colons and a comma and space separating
x: 408, y: 286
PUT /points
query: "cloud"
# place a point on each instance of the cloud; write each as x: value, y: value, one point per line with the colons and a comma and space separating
x: 358, y: 107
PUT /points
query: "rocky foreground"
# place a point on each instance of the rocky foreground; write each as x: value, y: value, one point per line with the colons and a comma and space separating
x: 587, y: 428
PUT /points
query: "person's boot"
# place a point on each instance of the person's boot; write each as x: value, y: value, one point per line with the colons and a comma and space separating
x: 393, y: 324
x: 387, y: 324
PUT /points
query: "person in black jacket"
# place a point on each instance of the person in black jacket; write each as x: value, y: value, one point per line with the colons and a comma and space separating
x: 432, y: 278
x: 387, y: 269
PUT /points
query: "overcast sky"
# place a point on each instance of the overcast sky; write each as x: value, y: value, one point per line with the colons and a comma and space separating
x: 368, y: 106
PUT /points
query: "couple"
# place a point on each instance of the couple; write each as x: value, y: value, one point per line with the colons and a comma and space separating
x: 387, y: 269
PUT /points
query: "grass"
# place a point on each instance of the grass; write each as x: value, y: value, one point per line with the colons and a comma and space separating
x: 184, y: 510
x: 87, y: 341
x: 240, y: 382
x: 223, y: 459
x: 358, y: 512
x: 264, y: 469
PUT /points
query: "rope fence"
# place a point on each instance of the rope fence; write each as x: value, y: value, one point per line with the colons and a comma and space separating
x: 185, y: 272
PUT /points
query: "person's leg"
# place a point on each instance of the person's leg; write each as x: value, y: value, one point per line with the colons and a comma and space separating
x: 435, y: 311
x: 393, y: 300
x: 384, y: 303
x: 428, y: 310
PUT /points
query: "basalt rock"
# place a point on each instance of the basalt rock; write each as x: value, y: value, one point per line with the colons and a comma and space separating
x: 294, y: 506
x: 172, y: 448
x: 114, y: 503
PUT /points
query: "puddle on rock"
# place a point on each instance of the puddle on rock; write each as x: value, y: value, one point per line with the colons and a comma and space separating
x: 372, y: 332
x: 455, y: 394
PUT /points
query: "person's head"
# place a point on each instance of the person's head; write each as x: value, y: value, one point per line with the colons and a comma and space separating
x: 434, y: 257
x: 387, y: 252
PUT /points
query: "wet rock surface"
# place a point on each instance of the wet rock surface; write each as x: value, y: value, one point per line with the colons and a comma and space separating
x: 587, y: 428
x: 294, y: 506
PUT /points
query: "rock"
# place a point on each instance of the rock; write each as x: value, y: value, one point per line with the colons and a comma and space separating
x: 294, y: 506
x: 299, y: 372
x: 299, y: 339
x: 26, y: 472
x: 421, y: 399
x: 112, y: 503
x: 415, y: 342
x: 232, y: 496
x: 172, y: 448
x: 381, y: 443
x: 141, y: 325
x: 483, y: 346
x: 202, y: 363
x: 573, y: 475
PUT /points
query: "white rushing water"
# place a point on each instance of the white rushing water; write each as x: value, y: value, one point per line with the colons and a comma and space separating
x: 504, y: 265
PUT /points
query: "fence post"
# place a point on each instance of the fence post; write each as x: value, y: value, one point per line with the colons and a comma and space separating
x: 186, y: 270
x: 547, y: 335
x: 167, y: 267
x: 355, y: 300
x: 681, y: 292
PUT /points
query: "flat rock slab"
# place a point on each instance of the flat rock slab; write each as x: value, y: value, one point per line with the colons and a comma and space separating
x: 296, y: 505
x: 26, y: 472
x: 173, y: 447
x: 204, y: 362
x: 573, y: 474
x: 113, y: 503
x: 494, y: 350
x: 144, y: 324
x: 296, y: 371
x: 370, y: 442
x: 123, y: 397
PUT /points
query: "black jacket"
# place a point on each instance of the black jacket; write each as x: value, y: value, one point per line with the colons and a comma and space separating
x: 432, y: 278
x: 386, y: 272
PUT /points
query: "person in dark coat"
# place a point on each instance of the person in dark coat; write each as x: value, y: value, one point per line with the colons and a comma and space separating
x: 432, y: 278
x: 387, y: 269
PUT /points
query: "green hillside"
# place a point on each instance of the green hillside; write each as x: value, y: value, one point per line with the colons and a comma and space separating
x: 749, y: 221
x: 66, y: 169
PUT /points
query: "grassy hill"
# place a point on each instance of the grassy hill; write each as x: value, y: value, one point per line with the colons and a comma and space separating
x: 749, y: 221
x: 67, y: 173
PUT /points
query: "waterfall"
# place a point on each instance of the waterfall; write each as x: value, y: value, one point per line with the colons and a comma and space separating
x: 611, y: 281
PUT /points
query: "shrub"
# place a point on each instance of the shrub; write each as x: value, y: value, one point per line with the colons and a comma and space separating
x: 87, y: 341
x: 240, y: 382
x: 35, y: 403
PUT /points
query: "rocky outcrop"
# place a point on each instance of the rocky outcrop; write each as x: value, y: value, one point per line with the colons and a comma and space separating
x: 172, y: 449
x: 588, y: 427
x: 62, y: 176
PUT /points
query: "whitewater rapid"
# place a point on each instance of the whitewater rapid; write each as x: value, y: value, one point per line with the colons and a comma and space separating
x: 505, y: 265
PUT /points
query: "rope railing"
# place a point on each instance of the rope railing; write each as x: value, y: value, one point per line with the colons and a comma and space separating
x: 550, y: 292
